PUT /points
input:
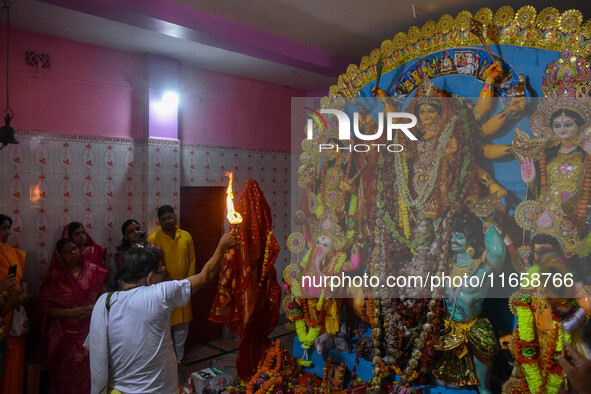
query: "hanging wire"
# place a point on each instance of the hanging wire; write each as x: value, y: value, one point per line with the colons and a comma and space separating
x: 6, y: 6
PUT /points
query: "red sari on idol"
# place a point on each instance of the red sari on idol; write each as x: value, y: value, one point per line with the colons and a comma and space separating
x: 248, y: 294
x: 94, y: 253
x: 67, y: 362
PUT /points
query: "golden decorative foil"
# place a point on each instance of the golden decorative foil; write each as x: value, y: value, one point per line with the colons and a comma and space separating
x: 484, y: 207
x: 547, y: 18
x: 525, y: 17
x: 484, y: 16
x: 296, y: 242
x: 515, y: 385
x: 463, y: 20
x: 387, y: 48
x: 288, y: 307
x: 445, y: 24
x: 353, y: 71
x: 519, y: 258
x: 526, y: 214
x: 586, y: 29
x: 504, y: 16
x: 290, y: 273
x: 375, y: 55
x: 429, y: 29
x: 300, y: 218
x: 433, y: 37
x: 399, y: 40
x: 526, y: 147
x: 308, y: 145
x: 570, y: 21
x: 414, y: 33
x: 305, y: 158
x: 462, y: 338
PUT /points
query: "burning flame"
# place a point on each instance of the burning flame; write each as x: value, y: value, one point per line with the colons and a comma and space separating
x: 233, y: 216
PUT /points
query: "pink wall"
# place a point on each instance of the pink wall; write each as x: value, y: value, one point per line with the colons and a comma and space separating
x: 88, y: 89
x: 92, y: 90
x: 220, y: 109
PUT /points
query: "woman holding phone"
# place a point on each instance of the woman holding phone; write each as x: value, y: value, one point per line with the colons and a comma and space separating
x: 13, y: 375
x: 133, y: 237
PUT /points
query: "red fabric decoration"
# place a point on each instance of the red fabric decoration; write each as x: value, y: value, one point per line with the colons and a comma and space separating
x: 249, y: 309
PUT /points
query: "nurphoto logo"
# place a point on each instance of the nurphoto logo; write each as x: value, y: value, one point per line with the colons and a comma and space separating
x: 344, y: 135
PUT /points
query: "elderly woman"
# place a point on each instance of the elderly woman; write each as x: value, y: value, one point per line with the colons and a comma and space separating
x: 89, y: 250
x: 68, y: 292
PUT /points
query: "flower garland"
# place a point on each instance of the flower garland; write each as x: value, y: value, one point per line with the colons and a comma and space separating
x: 456, y: 192
x: 267, y: 375
x: 541, y: 369
x: 305, y: 335
x: 403, y: 219
x: 543, y: 173
x: 319, y: 207
x: 424, y: 194
x: 266, y: 256
x: 351, y: 222
x: 354, y: 379
x: 583, y: 206
x: 307, y: 326
x: 346, y: 178
x: 325, y: 378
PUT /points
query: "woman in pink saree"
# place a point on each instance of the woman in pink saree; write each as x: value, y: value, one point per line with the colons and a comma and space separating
x: 89, y: 250
x: 70, y: 287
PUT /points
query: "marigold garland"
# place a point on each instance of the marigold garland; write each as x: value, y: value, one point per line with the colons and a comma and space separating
x: 403, y: 219
x: 583, y: 205
x: 346, y: 178
x: 325, y: 378
x: 266, y: 256
x: 270, y: 367
x: 543, y: 174
x: 542, y: 372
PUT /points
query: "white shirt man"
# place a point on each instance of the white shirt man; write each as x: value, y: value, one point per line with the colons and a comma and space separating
x: 129, y: 340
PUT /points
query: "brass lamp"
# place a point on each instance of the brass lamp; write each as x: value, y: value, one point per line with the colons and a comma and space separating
x: 7, y: 132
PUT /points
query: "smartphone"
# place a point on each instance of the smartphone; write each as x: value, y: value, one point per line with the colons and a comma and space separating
x: 141, y: 238
x: 12, y: 270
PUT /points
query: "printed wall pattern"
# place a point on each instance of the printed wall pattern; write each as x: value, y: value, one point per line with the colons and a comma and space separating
x: 52, y: 179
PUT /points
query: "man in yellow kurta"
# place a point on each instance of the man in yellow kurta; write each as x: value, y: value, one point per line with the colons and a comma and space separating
x: 179, y: 259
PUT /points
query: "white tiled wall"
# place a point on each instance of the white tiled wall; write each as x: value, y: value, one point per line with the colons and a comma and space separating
x: 49, y: 180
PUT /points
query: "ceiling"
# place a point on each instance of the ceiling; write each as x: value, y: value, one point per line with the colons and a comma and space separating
x: 303, y: 44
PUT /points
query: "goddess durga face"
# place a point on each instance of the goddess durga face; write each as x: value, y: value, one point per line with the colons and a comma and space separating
x: 428, y: 115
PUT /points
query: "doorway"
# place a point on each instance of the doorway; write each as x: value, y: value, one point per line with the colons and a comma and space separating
x: 202, y: 215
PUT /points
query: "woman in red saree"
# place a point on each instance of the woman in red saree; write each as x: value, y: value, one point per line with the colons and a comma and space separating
x: 248, y: 294
x: 89, y: 250
x: 70, y: 287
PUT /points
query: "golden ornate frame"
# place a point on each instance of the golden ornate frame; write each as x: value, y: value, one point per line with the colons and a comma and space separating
x: 547, y: 29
